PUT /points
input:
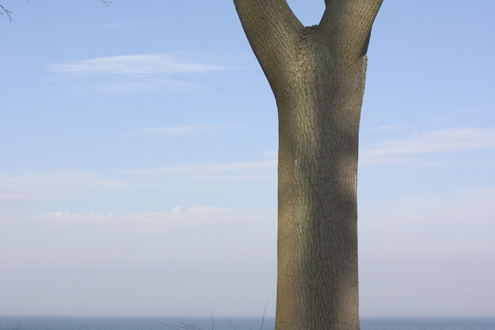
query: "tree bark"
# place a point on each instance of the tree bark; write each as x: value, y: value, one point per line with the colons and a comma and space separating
x: 317, y: 75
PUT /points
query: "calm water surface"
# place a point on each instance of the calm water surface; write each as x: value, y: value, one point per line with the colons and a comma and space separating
x: 166, y: 323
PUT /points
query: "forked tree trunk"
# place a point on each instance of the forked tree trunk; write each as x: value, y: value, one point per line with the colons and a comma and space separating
x: 317, y: 75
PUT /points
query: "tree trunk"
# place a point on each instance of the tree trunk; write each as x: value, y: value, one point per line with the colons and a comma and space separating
x: 317, y: 75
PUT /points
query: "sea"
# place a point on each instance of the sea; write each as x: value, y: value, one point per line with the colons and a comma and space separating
x: 220, y: 323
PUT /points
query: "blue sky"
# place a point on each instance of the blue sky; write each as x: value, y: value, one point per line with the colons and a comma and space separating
x: 138, y: 150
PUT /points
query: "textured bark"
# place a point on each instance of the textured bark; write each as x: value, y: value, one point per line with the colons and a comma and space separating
x: 317, y: 75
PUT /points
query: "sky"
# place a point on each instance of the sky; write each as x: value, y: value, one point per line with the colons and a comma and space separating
x: 138, y: 153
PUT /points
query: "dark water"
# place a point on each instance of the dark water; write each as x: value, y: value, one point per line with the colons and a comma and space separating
x: 428, y: 324
x: 166, y: 323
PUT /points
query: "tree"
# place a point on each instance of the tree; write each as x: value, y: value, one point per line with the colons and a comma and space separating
x: 8, y: 13
x: 5, y: 11
x: 317, y: 76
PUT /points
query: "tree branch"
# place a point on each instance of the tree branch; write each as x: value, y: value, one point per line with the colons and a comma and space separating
x: 350, y: 21
x: 272, y: 30
x: 8, y: 13
x: 5, y: 11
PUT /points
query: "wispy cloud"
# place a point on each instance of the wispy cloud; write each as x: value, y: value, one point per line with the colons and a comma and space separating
x: 186, y: 130
x: 387, y: 128
x: 15, y: 189
x: 67, y: 237
x: 142, y: 64
x: 440, y: 141
x: 418, y: 221
x: 193, y: 215
x: 135, y: 73
x: 135, y: 85
x: 246, y: 170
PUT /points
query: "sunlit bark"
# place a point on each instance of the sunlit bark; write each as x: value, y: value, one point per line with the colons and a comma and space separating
x: 317, y: 75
